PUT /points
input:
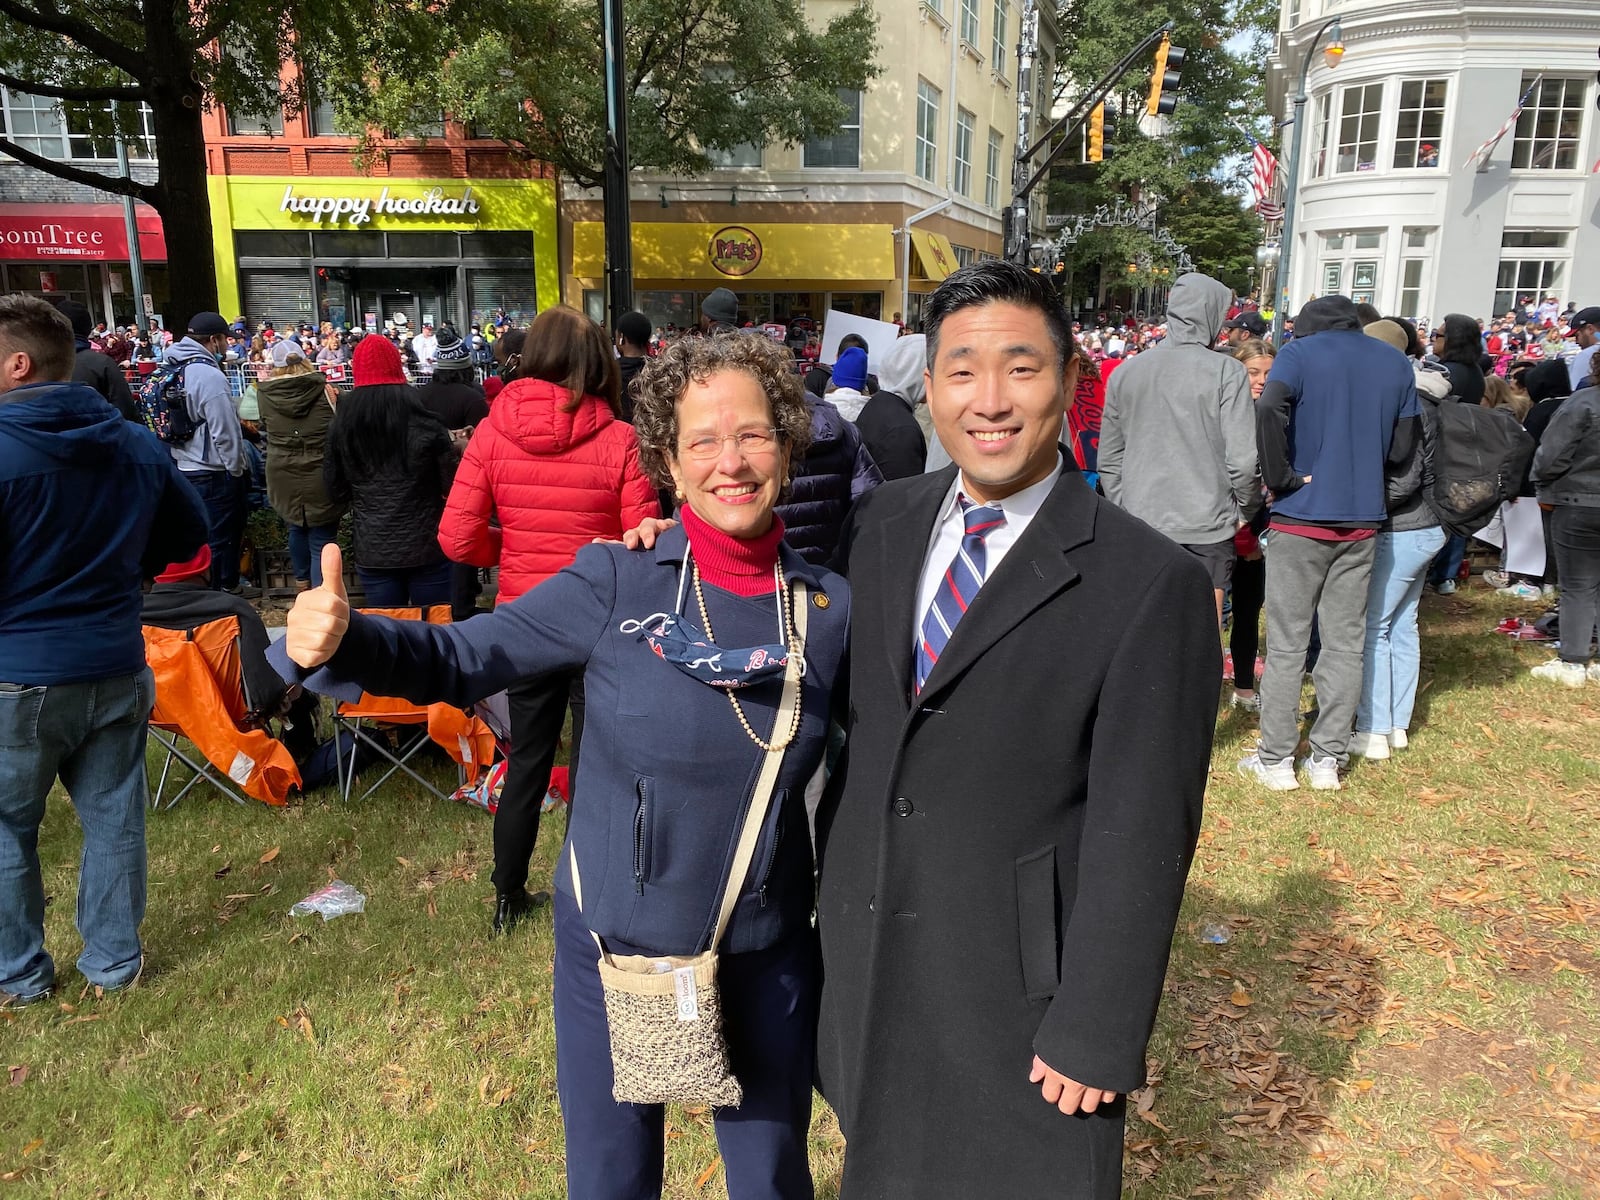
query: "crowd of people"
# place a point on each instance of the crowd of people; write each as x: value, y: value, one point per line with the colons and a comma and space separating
x: 795, y: 615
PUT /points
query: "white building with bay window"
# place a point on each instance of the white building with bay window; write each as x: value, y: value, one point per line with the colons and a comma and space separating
x: 1386, y: 210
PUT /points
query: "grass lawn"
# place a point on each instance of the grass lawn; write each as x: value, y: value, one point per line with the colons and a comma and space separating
x: 1406, y: 1005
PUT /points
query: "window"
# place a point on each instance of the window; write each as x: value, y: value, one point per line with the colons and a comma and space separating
x: 1332, y: 278
x: 746, y: 154
x: 272, y: 245
x: 991, y: 174
x: 319, y: 112
x: 842, y: 147
x: 496, y: 245
x: 1532, y: 263
x: 1322, y: 124
x: 927, y: 129
x: 1369, y: 239
x: 61, y: 130
x: 964, y: 255
x: 35, y: 123
x: 969, y: 22
x: 1411, y: 287
x: 1417, y: 239
x: 1419, y: 129
x: 997, y: 46
x: 1548, y: 129
x: 1358, y: 128
x: 1292, y: 9
x: 934, y: 6
x: 1333, y: 241
x: 963, y: 177
x: 269, y: 126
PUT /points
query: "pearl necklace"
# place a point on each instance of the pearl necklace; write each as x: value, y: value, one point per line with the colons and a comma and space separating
x: 788, y: 640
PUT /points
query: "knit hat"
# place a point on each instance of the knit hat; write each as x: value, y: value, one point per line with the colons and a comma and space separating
x: 1388, y: 331
x: 452, y: 352
x: 376, y: 361
x: 851, y: 369
x: 196, y: 568
x: 207, y: 324
x: 78, y: 315
x: 721, y: 307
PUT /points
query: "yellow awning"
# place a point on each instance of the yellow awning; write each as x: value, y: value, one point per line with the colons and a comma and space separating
x: 729, y: 254
x: 934, y: 252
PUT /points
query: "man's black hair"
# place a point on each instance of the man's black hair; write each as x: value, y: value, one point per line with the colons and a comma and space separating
x: 995, y: 281
x: 634, y: 328
x: 853, y: 341
x: 1413, y: 342
x: 1367, y: 314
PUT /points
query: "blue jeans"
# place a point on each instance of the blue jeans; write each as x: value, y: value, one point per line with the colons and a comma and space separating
x: 91, y: 736
x: 226, y: 499
x: 1393, y: 651
x: 305, y: 549
x: 405, y: 587
x: 1447, y: 564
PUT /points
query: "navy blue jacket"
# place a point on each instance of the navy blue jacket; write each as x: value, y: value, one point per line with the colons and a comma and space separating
x: 1332, y: 408
x: 836, y: 472
x: 666, y: 771
x: 91, y: 505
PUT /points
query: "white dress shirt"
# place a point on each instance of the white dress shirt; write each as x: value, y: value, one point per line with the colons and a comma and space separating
x: 1019, y: 508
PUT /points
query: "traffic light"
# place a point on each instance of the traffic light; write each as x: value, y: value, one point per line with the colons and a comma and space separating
x: 1164, y: 78
x: 1097, y: 133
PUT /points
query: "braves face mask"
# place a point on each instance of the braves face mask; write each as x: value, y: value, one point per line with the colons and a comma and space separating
x: 673, y: 637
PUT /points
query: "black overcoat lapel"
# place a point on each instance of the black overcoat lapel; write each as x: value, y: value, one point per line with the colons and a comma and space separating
x: 906, y: 532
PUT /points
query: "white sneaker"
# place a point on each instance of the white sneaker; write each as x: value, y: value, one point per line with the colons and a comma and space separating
x: 1497, y: 579
x: 1322, y: 773
x: 1560, y: 671
x: 1248, y: 703
x: 1446, y: 588
x: 1594, y: 671
x: 1369, y: 745
x: 1277, y: 777
x: 1398, y: 739
x: 1520, y: 591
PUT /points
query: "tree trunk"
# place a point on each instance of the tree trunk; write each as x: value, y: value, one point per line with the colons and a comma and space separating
x: 180, y: 197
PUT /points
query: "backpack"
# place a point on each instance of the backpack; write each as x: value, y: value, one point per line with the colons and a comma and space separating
x: 1480, y: 457
x: 164, y: 405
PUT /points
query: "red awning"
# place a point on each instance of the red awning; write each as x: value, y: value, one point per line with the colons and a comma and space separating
x: 61, y: 233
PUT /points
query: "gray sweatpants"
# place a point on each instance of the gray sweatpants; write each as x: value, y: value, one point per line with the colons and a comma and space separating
x: 1307, y: 577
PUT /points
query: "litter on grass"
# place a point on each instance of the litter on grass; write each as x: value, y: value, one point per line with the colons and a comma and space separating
x: 338, y: 899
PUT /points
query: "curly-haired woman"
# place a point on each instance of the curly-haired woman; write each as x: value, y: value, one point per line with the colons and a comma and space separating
x: 678, y: 730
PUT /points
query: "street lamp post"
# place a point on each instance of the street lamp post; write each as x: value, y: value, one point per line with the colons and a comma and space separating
x: 1286, y: 236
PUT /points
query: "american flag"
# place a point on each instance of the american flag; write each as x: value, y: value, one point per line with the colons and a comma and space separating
x: 1480, y: 156
x: 1263, y: 170
x: 1268, y: 211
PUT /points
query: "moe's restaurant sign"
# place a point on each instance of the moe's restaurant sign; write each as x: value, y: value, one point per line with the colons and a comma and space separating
x: 735, y: 250
x: 669, y: 250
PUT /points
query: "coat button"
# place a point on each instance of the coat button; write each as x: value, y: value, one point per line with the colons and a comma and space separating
x: 902, y: 807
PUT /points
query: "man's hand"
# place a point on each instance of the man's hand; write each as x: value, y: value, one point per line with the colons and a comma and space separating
x: 320, y: 616
x: 1068, y: 1095
x: 645, y: 536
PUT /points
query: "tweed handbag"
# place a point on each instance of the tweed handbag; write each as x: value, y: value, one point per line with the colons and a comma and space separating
x: 664, y: 1013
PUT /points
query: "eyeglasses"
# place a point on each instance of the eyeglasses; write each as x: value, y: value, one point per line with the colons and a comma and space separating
x: 749, y: 441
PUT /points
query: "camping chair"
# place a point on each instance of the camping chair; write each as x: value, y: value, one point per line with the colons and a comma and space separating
x: 465, y: 738
x: 201, y: 697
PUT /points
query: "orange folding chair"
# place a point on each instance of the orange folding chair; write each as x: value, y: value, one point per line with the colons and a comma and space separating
x: 465, y: 738
x: 201, y: 698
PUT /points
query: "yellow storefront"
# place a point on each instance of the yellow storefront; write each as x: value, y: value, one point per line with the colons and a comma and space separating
x: 781, y: 272
x: 364, y: 251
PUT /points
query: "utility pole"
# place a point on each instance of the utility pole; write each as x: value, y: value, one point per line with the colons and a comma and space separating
x: 141, y: 317
x: 619, y: 231
x: 1017, y: 235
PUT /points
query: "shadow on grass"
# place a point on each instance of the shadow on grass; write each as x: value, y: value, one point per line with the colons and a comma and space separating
x: 1253, y: 1035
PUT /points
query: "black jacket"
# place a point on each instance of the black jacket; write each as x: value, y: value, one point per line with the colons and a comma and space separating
x: 892, y: 436
x: 1002, y: 856
x: 457, y: 403
x: 1566, y: 467
x: 835, y: 472
x: 1466, y: 381
x: 105, y: 377
x: 629, y: 368
x: 396, y: 508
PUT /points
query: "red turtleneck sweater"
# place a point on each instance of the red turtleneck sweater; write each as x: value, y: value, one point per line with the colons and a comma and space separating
x: 742, y: 566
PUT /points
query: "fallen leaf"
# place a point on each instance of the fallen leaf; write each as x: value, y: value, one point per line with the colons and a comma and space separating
x: 19, y: 1075
x: 217, y: 848
x: 268, y: 856
x: 80, y: 1020
x: 404, y: 862
x: 705, y: 1176
x: 1240, y: 998
x: 190, y: 1111
x: 303, y: 1023
x: 221, y: 871
x: 1488, y: 733
x: 31, y: 1147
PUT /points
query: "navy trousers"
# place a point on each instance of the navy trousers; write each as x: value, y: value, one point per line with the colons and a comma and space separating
x: 769, y: 1004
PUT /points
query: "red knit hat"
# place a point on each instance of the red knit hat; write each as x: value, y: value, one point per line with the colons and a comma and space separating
x: 195, y: 568
x: 376, y: 361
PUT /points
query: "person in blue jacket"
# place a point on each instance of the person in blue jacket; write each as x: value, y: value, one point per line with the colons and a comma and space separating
x: 91, y: 506
x: 670, y: 752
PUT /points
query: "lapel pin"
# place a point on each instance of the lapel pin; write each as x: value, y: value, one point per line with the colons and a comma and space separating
x: 821, y: 600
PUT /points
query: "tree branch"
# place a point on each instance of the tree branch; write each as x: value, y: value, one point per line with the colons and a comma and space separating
x: 87, y: 36
x: 116, y: 184
x: 89, y: 94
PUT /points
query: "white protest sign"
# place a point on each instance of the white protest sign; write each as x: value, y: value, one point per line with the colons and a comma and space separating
x: 879, y: 336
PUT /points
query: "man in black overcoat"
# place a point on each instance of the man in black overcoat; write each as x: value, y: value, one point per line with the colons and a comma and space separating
x: 1004, y: 847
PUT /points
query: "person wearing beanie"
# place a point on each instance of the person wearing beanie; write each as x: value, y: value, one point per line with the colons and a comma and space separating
x: 215, y: 459
x: 719, y: 312
x: 98, y: 370
x: 392, y: 462
x: 454, y: 395
x: 847, y: 392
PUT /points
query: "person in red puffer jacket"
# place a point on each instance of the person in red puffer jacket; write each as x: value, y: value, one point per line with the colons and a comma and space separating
x: 552, y: 469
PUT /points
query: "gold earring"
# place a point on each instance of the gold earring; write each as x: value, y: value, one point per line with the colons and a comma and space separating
x: 678, y: 495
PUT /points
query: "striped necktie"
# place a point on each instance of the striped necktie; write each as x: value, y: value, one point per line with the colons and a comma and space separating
x: 962, y: 579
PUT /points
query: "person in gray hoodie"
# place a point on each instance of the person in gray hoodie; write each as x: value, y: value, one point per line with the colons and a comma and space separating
x: 887, y: 421
x: 1178, y: 437
x: 213, y: 460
